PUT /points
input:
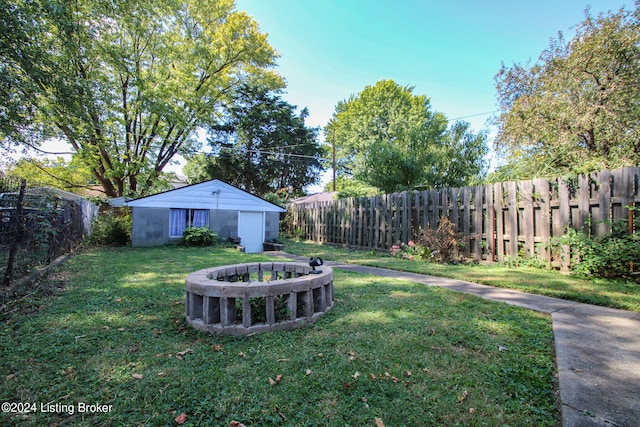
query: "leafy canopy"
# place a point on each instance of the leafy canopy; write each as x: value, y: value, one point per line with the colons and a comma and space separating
x: 73, y: 175
x: 262, y: 146
x: 127, y: 84
x: 576, y: 110
x: 389, y: 138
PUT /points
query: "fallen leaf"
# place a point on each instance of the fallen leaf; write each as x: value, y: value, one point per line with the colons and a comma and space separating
x: 118, y: 299
x: 177, y: 303
x: 106, y: 328
x: 137, y: 376
x: 432, y: 331
x: 387, y: 374
x: 162, y: 374
x: 395, y: 379
x: 364, y: 399
x: 180, y: 354
x: 346, y: 385
x: 308, y: 372
x: 320, y: 355
x: 236, y: 424
x: 425, y: 370
x: 217, y: 347
x: 276, y: 381
x: 157, y: 332
x: 121, y: 329
x: 241, y: 354
x: 472, y: 410
x: 181, y: 419
x: 408, y: 373
x: 10, y: 377
x: 379, y: 422
x: 502, y: 348
x: 356, y: 375
x: 372, y: 376
x: 463, y: 396
x: 577, y: 369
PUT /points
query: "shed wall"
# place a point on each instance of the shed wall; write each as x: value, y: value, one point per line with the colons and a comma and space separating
x: 271, y: 225
x: 224, y: 222
x: 150, y: 226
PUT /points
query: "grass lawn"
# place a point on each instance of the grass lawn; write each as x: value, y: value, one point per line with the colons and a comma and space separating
x: 609, y: 293
x: 111, y: 331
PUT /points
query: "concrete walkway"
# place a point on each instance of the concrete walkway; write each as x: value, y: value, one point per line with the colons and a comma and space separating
x: 597, y: 348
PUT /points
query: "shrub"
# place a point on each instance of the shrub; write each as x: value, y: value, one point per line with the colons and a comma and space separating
x: 614, y: 255
x: 111, y: 228
x: 199, y: 236
x: 443, y: 243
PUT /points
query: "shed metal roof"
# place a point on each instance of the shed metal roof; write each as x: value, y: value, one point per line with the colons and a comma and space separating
x: 214, y: 194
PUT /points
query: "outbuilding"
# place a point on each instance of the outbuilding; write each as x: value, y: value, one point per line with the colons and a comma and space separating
x: 227, y: 210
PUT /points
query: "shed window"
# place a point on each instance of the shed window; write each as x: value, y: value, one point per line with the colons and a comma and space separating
x: 179, y: 219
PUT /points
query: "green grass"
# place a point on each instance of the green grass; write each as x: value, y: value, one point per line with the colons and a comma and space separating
x: 402, y: 352
x: 597, y: 291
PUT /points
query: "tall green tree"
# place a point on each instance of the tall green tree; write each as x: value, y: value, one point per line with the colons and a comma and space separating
x: 389, y: 138
x: 128, y: 83
x: 262, y: 146
x: 73, y: 176
x: 576, y: 110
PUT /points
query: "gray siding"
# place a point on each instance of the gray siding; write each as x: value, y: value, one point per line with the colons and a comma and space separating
x: 223, y: 222
x: 271, y: 225
x: 150, y: 226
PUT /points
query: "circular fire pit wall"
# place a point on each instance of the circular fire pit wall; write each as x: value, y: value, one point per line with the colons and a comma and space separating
x: 248, y: 298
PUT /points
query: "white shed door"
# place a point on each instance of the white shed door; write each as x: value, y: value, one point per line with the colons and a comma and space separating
x: 251, y: 231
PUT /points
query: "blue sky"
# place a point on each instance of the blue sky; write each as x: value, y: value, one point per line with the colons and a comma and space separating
x: 447, y: 50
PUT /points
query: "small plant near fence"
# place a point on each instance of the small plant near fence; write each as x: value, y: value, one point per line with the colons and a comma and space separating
x: 440, y: 245
x: 614, y: 255
x: 409, y: 251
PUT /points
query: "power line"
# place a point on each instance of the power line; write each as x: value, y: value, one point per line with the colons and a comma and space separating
x: 475, y: 115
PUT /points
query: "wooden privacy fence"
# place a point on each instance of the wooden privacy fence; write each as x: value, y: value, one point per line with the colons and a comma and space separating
x: 500, y: 221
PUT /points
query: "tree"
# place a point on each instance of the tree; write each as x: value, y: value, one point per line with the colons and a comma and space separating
x: 73, y: 176
x: 576, y: 110
x: 128, y: 84
x: 261, y: 146
x: 391, y: 139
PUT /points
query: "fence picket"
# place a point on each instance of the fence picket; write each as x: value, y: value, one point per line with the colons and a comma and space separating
x: 542, y: 232
x: 500, y: 225
x: 490, y: 217
x: 512, y: 220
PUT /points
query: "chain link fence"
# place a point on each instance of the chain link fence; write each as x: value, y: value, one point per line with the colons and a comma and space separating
x: 37, y: 225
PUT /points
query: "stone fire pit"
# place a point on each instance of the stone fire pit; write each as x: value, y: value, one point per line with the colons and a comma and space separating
x: 257, y: 297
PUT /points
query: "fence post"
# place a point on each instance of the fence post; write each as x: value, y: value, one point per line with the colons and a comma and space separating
x: 17, y: 236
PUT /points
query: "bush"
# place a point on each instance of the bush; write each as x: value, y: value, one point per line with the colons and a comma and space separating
x: 614, y: 255
x: 442, y: 244
x: 199, y: 236
x: 111, y: 229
